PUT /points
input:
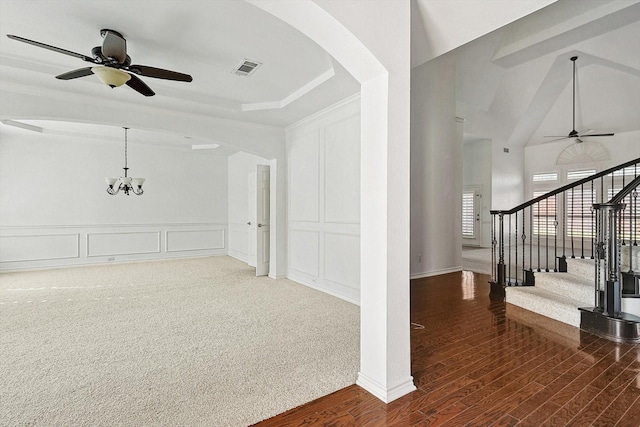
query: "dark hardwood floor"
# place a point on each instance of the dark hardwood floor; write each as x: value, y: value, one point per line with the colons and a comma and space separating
x: 482, y: 362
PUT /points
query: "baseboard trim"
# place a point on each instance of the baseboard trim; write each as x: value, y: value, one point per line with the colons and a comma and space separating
x: 437, y: 272
x: 92, y: 263
x: 326, y: 291
x: 383, y: 393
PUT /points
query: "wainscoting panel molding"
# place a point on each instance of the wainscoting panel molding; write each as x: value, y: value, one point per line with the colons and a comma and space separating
x: 323, y: 153
x: 304, y: 251
x: 239, y: 241
x: 342, y: 171
x: 340, y: 251
x: 41, y: 247
x: 194, y: 240
x: 303, y: 179
x: 131, y: 243
x: 54, y: 246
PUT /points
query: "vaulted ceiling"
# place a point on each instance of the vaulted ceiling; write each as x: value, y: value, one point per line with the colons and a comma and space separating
x: 514, y: 85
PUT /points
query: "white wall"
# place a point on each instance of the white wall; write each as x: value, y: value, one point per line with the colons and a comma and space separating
x: 323, y: 155
x: 240, y: 166
x: 477, y: 160
x: 507, y: 176
x: 54, y: 209
x: 436, y: 171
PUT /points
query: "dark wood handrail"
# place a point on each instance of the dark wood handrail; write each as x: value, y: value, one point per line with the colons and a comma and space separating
x: 567, y: 187
x: 625, y: 191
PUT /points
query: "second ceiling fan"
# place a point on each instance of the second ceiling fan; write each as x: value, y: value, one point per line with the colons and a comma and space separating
x: 574, y: 134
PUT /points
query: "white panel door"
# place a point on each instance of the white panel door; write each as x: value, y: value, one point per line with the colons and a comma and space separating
x: 263, y: 220
x: 471, y: 209
x: 252, y: 223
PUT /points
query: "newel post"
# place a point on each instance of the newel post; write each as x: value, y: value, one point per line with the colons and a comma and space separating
x: 498, y: 282
x: 612, y: 291
x: 609, y: 300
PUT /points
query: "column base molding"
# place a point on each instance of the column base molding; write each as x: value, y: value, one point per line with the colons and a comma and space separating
x: 384, y: 393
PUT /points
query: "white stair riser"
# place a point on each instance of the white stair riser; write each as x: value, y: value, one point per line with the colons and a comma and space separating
x: 544, y: 306
x: 581, y: 268
x: 631, y: 306
x: 565, y: 285
x: 586, y: 269
x: 624, y: 256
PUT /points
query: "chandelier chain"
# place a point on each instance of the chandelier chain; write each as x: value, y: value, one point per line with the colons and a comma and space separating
x: 125, y: 150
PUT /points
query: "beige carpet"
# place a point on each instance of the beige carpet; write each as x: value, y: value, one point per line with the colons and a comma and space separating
x: 198, y: 342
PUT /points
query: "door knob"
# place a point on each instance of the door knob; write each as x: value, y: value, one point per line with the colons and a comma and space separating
x: 261, y: 225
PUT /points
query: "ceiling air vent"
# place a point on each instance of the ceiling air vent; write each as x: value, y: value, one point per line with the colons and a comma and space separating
x: 246, y: 67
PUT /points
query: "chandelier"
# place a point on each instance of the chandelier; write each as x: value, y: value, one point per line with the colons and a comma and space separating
x: 125, y: 183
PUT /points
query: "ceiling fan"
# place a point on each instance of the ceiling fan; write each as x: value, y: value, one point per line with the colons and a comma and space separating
x: 575, y: 134
x: 112, y: 64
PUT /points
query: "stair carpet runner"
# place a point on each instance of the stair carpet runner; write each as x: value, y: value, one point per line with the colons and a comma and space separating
x: 558, y: 295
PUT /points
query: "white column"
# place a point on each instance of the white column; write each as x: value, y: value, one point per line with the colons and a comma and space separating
x: 385, y: 361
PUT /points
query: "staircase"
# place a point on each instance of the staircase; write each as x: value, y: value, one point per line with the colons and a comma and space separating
x: 571, y: 254
x: 559, y: 295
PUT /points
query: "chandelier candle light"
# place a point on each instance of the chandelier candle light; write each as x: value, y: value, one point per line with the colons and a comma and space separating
x: 125, y: 183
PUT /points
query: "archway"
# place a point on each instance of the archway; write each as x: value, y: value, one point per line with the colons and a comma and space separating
x: 380, y: 61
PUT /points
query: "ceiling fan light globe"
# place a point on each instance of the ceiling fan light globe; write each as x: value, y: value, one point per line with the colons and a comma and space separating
x: 138, y: 182
x: 111, y: 76
x: 110, y: 181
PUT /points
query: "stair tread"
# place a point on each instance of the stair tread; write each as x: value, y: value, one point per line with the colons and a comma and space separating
x: 590, y: 262
x: 581, y: 261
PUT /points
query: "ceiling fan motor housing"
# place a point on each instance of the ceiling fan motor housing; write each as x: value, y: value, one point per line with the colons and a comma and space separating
x: 104, y: 31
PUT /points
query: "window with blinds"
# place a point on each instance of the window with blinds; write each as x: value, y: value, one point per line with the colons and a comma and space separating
x: 468, y: 215
x: 580, y: 217
x: 544, y: 215
x: 544, y: 177
x: 628, y: 171
x: 579, y: 174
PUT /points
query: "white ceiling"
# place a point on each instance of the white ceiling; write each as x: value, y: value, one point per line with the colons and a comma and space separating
x: 439, y: 26
x: 513, y: 84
